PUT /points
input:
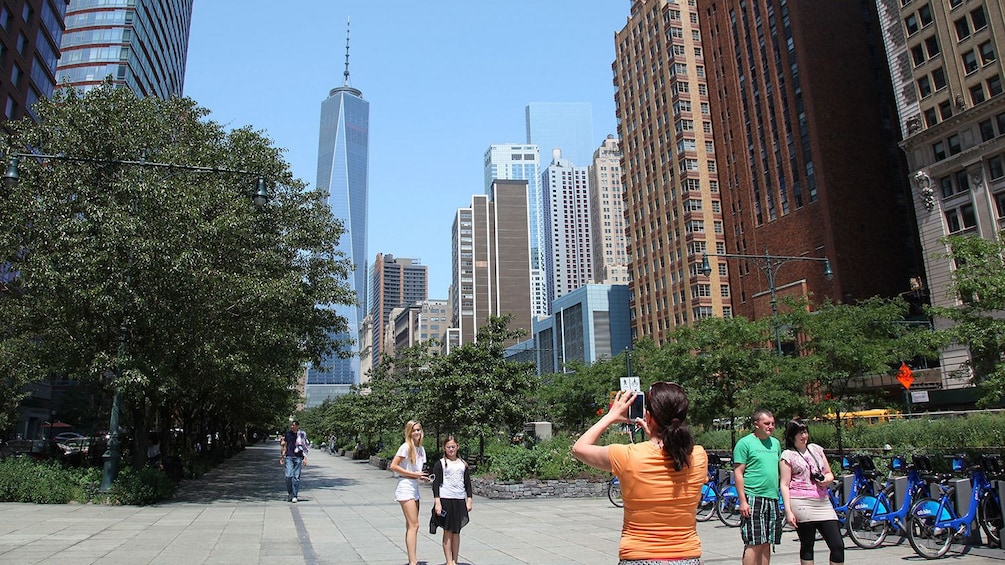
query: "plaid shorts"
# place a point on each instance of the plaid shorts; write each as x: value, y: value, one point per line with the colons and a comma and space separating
x: 765, y: 522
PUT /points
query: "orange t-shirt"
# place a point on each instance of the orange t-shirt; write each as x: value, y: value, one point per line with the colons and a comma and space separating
x: 660, y: 503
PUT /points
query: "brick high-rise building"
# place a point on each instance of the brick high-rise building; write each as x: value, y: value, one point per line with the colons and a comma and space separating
x: 805, y: 111
x: 395, y: 283
x: 673, y: 211
x: 491, y: 262
x: 31, y: 32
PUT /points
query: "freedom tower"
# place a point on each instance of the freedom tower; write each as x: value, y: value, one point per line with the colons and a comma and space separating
x: 342, y: 172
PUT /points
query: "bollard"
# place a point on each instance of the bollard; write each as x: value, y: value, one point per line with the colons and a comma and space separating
x: 899, y: 492
x: 961, y: 499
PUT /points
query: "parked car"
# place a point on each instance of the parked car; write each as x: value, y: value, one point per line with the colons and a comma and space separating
x: 63, y: 436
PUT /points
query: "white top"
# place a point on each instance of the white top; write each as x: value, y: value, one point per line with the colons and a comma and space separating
x: 420, y: 459
x: 453, y: 479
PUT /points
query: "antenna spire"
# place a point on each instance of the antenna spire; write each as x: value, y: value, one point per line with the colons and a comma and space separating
x: 346, y: 72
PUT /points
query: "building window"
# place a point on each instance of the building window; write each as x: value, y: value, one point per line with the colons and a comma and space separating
x: 939, y: 78
x: 962, y: 218
x: 996, y: 167
x: 932, y: 46
x: 945, y: 110
x: 1000, y: 203
x: 925, y: 15
x: 917, y: 55
x: 954, y: 144
x: 977, y: 94
x: 987, y: 128
x: 911, y: 24
x: 962, y: 181
x: 931, y: 118
x: 994, y: 85
x: 10, y: 108
x: 970, y: 62
x: 987, y: 50
x: 962, y: 29
x: 946, y: 183
x: 978, y: 18
x: 939, y: 150
x: 924, y: 86
x: 724, y: 290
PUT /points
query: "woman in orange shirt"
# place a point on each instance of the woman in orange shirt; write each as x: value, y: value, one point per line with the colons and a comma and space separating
x: 661, y: 478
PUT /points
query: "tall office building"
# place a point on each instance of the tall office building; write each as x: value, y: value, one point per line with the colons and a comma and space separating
x: 395, y: 283
x: 491, y: 262
x: 673, y: 213
x: 141, y: 44
x: 561, y: 125
x: 343, y: 146
x: 569, y: 262
x: 30, y: 35
x: 607, y: 215
x: 813, y: 168
x: 946, y: 63
x: 512, y: 161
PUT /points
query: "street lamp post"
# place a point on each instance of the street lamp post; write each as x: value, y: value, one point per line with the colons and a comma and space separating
x: 259, y: 197
x: 769, y: 266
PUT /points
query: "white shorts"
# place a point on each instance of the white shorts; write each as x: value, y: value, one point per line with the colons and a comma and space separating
x: 407, y: 489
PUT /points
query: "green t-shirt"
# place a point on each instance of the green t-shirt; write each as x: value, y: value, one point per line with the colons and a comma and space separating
x: 760, y: 476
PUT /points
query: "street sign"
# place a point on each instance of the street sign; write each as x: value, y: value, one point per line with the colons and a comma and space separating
x: 631, y: 383
x: 905, y: 376
x: 919, y: 396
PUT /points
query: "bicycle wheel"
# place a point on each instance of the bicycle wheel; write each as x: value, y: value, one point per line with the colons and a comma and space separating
x: 862, y: 529
x: 706, y: 506
x: 727, y: 507
x: 614, y: 492
x: 989, y: 514
x: 928, y: 540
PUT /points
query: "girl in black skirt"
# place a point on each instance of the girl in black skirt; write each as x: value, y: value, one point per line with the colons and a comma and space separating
x: 451, y: 497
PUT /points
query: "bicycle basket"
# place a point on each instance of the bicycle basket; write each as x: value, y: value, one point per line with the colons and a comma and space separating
x: 865, y: 463
x: 897, y: 463
x: 959, y: 463
x: 922, y: 463
x: 991, y: 465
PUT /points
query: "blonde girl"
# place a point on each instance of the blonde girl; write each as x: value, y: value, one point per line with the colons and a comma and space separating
x: 408, y: 463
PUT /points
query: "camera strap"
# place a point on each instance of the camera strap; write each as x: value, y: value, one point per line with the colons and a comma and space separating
x: 819, y: 468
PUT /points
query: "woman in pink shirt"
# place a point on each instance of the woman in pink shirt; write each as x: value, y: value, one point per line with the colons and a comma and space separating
x: 804, y: 475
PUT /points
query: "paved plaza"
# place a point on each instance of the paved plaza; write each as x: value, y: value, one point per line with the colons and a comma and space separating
x: 238, y: 514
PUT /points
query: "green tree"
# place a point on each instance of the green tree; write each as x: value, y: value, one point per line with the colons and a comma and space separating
x: 844, y: 344
x: 729, y: 367
x: 478, y: 391
x: 979, y: 284
x: 571, y: 399
x: 164, y: 283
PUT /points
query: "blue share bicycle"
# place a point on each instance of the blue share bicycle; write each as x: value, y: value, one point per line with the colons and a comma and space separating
x: 871, y: 518
x: 933, y: 525
x: 710, y: 490
x: 863, y: 473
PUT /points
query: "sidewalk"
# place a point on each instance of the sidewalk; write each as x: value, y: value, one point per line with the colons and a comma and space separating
x: 238, y: 514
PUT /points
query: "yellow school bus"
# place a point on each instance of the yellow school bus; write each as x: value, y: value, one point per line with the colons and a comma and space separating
x: 871, y: 416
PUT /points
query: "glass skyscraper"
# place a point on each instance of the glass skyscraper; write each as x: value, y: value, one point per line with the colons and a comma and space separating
x: 141, y: 44
x: 562, y: 125
x: 343, y: 163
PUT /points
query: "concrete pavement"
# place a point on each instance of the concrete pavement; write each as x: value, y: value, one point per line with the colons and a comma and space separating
x: 238, y: 514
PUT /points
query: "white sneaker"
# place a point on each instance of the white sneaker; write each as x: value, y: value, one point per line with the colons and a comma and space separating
x: 294, y: 500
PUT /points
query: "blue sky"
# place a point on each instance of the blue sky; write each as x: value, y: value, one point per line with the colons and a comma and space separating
x: 445, y: 79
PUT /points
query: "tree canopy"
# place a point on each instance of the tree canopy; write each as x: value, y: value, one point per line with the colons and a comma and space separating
x: 164, y: 282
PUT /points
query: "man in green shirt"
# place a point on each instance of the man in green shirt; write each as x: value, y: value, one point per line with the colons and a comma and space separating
x: 755, y: 469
